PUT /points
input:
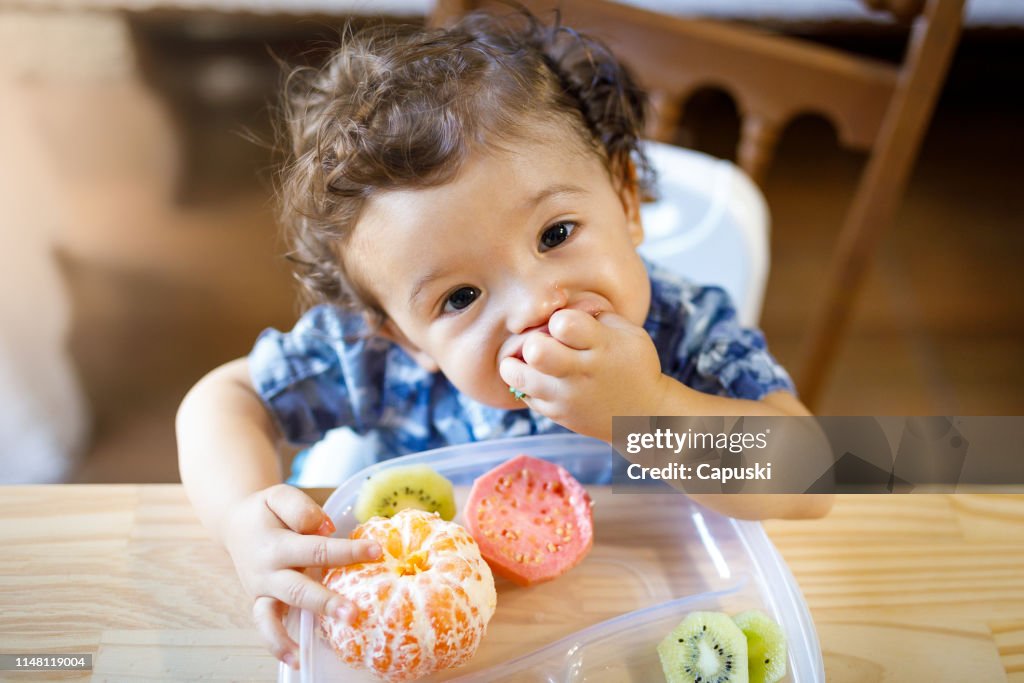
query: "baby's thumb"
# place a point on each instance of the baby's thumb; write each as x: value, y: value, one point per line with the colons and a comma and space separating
x: 615, y: 321
x: 297, y: 511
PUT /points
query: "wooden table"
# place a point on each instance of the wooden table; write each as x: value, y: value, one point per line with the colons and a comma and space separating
x: 922, y: 588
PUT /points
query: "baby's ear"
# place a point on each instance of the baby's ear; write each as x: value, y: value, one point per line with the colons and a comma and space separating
x: 389, y: 330
x: 629, y: 194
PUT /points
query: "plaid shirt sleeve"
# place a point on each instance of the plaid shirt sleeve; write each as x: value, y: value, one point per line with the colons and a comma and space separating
x: 703, y: 345
x: 324, y: 373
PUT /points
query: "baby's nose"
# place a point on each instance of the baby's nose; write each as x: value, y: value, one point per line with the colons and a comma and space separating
x: 537, y: 305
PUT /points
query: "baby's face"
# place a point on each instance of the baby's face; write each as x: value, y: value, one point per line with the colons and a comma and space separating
x: 465, y: 271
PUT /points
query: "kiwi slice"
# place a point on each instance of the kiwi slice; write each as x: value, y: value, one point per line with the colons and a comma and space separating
x: 411, y: 486
x: 706, y: 647
x: 766, y: 646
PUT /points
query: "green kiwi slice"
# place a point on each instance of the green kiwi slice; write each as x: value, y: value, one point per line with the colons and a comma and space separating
x: 706, y: 647
x: 766, y: 646
x: 410, y: 486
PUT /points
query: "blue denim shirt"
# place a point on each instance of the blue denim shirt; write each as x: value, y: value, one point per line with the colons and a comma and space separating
x: 327, y: 373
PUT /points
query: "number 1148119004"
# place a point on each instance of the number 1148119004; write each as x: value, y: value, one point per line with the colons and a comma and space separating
x: 45, y: 662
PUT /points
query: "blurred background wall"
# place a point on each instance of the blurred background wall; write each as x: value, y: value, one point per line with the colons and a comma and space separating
x: 140, y: 249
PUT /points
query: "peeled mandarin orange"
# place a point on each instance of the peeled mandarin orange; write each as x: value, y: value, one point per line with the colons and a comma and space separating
x: 423, y: 607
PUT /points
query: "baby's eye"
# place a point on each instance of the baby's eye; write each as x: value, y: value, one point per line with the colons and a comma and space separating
x: 460, y: 298
x: 556, y: 234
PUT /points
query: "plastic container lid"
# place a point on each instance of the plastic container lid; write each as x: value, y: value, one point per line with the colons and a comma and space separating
x: 659, y: 557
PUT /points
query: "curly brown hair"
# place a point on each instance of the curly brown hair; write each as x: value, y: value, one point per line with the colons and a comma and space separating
x: 400, y: 107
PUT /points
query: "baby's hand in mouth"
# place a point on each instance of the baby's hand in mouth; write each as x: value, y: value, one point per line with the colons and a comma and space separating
x: 519, y: 354
x: 586, y: 369
x: 550, y: 353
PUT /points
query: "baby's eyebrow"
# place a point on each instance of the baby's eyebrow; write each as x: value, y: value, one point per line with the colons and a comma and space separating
x: 423, y: 281
x: 551, y: 192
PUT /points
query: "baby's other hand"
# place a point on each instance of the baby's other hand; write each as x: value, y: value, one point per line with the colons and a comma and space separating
x: 587, y: 370
x: 272, y: 535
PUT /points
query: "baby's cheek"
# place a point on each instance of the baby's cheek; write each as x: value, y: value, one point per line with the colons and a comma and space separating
x: 474, y: 378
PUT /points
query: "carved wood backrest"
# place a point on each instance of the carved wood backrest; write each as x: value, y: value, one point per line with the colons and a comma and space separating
x: 771, y: 78
x: 875, y: 106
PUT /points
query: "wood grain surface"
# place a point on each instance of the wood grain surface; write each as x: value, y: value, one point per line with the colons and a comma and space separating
x: 922, y: 587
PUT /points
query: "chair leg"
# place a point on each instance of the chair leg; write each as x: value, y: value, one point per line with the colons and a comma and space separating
x: 933, y: 40
x: 843, y: 282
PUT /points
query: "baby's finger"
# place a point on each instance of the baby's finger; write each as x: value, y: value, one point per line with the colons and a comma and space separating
x: 297, y: 589
x: 268, y: 614
x: 522, y: 377
x: 549, y: 356
x: 616, y: 321
x: 294, y: 550
x: 576, y: 329
x: 297, y: 511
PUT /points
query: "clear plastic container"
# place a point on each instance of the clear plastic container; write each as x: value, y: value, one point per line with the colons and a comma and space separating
x: 656, y: 557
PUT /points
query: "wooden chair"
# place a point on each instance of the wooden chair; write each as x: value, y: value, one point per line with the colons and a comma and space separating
x: 876, y: 107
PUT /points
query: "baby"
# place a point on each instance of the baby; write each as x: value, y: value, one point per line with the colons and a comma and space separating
x: 465, y: 203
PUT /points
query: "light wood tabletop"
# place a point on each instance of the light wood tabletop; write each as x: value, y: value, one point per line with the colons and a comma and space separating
x: 914, y: 587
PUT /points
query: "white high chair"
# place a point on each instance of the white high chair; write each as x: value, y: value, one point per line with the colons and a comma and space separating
x: 710, y: 225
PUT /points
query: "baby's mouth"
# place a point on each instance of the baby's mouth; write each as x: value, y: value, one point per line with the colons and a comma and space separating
x: 591, y: 307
